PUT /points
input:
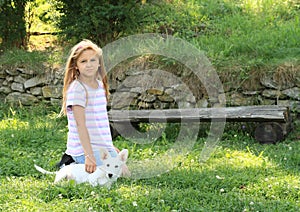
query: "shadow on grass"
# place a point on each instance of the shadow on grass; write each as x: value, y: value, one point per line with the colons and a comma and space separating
x: 236, y: 189
x: 240, y: 175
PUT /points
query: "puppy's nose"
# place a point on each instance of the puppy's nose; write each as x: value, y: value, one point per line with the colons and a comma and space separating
x: 110, y: 175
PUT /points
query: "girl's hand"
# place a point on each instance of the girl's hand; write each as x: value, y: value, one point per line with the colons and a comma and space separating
x: 90, y: 164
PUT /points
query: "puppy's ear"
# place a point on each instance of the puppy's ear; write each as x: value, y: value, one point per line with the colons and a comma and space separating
x: 123, y: 155
x: 104, y: 154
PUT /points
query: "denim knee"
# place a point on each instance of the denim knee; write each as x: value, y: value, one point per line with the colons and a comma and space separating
x: 81, y: 158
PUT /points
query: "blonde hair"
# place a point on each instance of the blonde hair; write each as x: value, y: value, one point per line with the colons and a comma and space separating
x: 71, y: 72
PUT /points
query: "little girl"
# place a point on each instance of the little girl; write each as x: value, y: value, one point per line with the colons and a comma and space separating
x: 85, y: 96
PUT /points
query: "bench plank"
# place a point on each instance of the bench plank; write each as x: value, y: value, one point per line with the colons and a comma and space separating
x: 263, y: 113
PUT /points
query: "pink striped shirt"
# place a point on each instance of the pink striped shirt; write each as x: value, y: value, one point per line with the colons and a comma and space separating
x: 97, y: 122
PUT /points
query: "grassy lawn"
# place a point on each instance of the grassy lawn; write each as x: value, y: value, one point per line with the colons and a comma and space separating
x: 240, y: 175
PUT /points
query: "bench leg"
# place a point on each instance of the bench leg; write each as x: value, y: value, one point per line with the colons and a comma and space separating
x: 271, y: 132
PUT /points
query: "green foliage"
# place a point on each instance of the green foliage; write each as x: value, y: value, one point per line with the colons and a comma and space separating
x: 241, y: 35
x: 236, y: 35
x: 20, y: 17
x: 241, y: 175
x: 12, y: 23
x: 177, y: 18
x: 100, y: 21
x: 41, y: 16
x: 106, y: 21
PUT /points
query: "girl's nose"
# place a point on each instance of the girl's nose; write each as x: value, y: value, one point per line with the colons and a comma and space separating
x: 89, y: 63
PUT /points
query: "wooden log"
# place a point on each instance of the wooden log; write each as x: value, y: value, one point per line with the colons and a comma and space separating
x: 236, y: 114
x: 269, y: 132
x: 43, y: 33
x: 275, y: 121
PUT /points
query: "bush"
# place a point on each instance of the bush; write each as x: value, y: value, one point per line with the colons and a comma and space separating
x: 100, y: 21
x: 106, y: 21
x: 12, y: 23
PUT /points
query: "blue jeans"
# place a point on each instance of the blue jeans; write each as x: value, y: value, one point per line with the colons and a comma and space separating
x: 81, y: 158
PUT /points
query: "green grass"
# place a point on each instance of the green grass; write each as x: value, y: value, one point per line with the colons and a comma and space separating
x: 241, y: 175
x: 17, y: 58
x: 36, y: 61
x: 250, y: 34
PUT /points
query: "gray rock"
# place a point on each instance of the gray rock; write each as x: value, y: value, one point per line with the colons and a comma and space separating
x: 143, y: 81
x: 5, y: 89
x: 273, y: 94
x: 121, y: 100
x: 237, y: 99
x: 251, y: 93
x: 13, y: 72
x: 5, y: 83
x: 155, y: 91
x: 19, y: 79
x: 9, y: 78
x: 293, y: 93
x: 166, y: 98
x: 147, y: 97
x: 52, y: 91
x: 24, y: 99
x: 35, y: 81
x: 202, y: 103
x: 36, y: 91
x: 293, y: 105
x: 267, y: 81
x: 17, y: 87
x: 26, y: 71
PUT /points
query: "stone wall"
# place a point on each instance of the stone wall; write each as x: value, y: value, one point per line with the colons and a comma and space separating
x: 24, y: 86
x: 137, y: 88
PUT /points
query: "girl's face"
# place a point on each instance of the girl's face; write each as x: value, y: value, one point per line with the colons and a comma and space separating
x: 88, y: 64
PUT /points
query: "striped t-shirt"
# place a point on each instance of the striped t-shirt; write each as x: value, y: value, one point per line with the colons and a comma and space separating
x: 96, y: 117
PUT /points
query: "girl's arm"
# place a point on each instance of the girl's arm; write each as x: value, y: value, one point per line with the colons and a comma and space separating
x: 90, y: 161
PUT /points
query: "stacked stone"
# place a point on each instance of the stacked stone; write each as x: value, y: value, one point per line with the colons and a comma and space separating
x: 27, y: 88
x: 267, y: 90
x: 151, y: 89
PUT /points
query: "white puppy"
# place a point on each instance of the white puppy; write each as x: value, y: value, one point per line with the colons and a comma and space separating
x: 104, y: 175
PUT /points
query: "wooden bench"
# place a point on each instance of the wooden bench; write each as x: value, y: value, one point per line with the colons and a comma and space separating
x: 273, y: 122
